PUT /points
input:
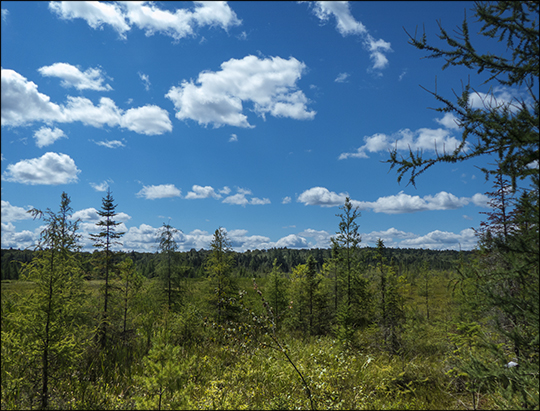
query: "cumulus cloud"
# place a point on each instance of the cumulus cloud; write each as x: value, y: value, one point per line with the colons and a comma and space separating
x: 466, y: 240
x: 145, y: 15
x: 216, y: 97
x: 240, y: 198
x: 96, y: 14
x: 292, y: 241
x: 22, y: 105
x: 286, y: 200
x: 321, y: 196
x: 198, y: 192
x: 233, y: 138
x: 5, y: 14
x: 91, y: 79
x: 49, y: 169
x: 88, y: 214
x: 46, y: 136
x: 449, y: 121
x: 149, y: 120
x: 426, y: 139
x: 13, y: 213
x: 347, y: 25
x: 394, y: 204
x: 321, y: 237
x: 159, y: 191
x: 405, y: 203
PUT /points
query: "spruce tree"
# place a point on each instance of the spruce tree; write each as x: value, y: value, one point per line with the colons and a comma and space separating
x: 104, y: 241
x: 277, y: 293
x: 219, y: 267
x: 168, y: 247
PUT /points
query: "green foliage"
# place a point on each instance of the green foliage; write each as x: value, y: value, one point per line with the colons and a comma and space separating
x: 222, y: 286
x: 277, y: 294
x: 510, y: 128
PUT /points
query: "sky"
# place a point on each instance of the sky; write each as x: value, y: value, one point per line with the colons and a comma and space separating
x: 257, y: 117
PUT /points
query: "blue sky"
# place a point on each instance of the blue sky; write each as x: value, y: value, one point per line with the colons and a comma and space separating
x: 258, y: 117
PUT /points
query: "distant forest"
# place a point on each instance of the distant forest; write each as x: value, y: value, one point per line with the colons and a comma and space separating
x: 253, y: 263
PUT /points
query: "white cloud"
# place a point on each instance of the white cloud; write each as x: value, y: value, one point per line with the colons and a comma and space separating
x: 321, y: 237
x: 46, y: 136
x: 481, y: 200
x: 259, y: 201
x: 88, y: 214
x: 201, y: 192
x: 342, y: 77
x: 286, y: 200
x: 216, y: 97
x: 49, y: 169
x: 110, y: 143
x: 22, y: 105
x: 394, y: 204
x: 100, y: 187
x: 425, y: 139
x: 449, y: 121
x: 95, y: 13
x: 149, y: 120
x: 405, y: 203
x: 346, y: 24
x: 13, y: 213
x: 322, y: 197
x: 91, y: 79
x: 159, y: 191
x: 146, y: 81
x: 237, y: 199
x: 233, y: 138
x: 466, y: 240
x: 147, y: 16
x: 240, y: 197
x: 292, y: 241
x: 5, y: 14
x: 225, y: 190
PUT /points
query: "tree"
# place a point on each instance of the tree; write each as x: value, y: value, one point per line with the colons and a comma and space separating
x: 507, y: 128
x: 104, y: 241
x: 506, y: 276
x: 49, y: 313
x: 391, y: 314
x: 130, y: 283
x: 346, y: 243
x: 168, y: 247
x: 353, y: 307
x: 219, y: 269
x: 277, y: 292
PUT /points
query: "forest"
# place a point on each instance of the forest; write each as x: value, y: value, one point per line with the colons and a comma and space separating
x: 349, y: 327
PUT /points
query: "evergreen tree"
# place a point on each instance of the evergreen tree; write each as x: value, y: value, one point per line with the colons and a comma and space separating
x: 506, y: 277
x: 168, y: 247
x: 277, y: 293
x: 352, y: 288
x: 507, y: 128
x: 391, y: 313
x: 104, y: 241
x: 47, y: 321
x: 219, y: 267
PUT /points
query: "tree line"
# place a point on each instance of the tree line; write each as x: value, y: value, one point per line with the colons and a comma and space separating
x: 250, y: 263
